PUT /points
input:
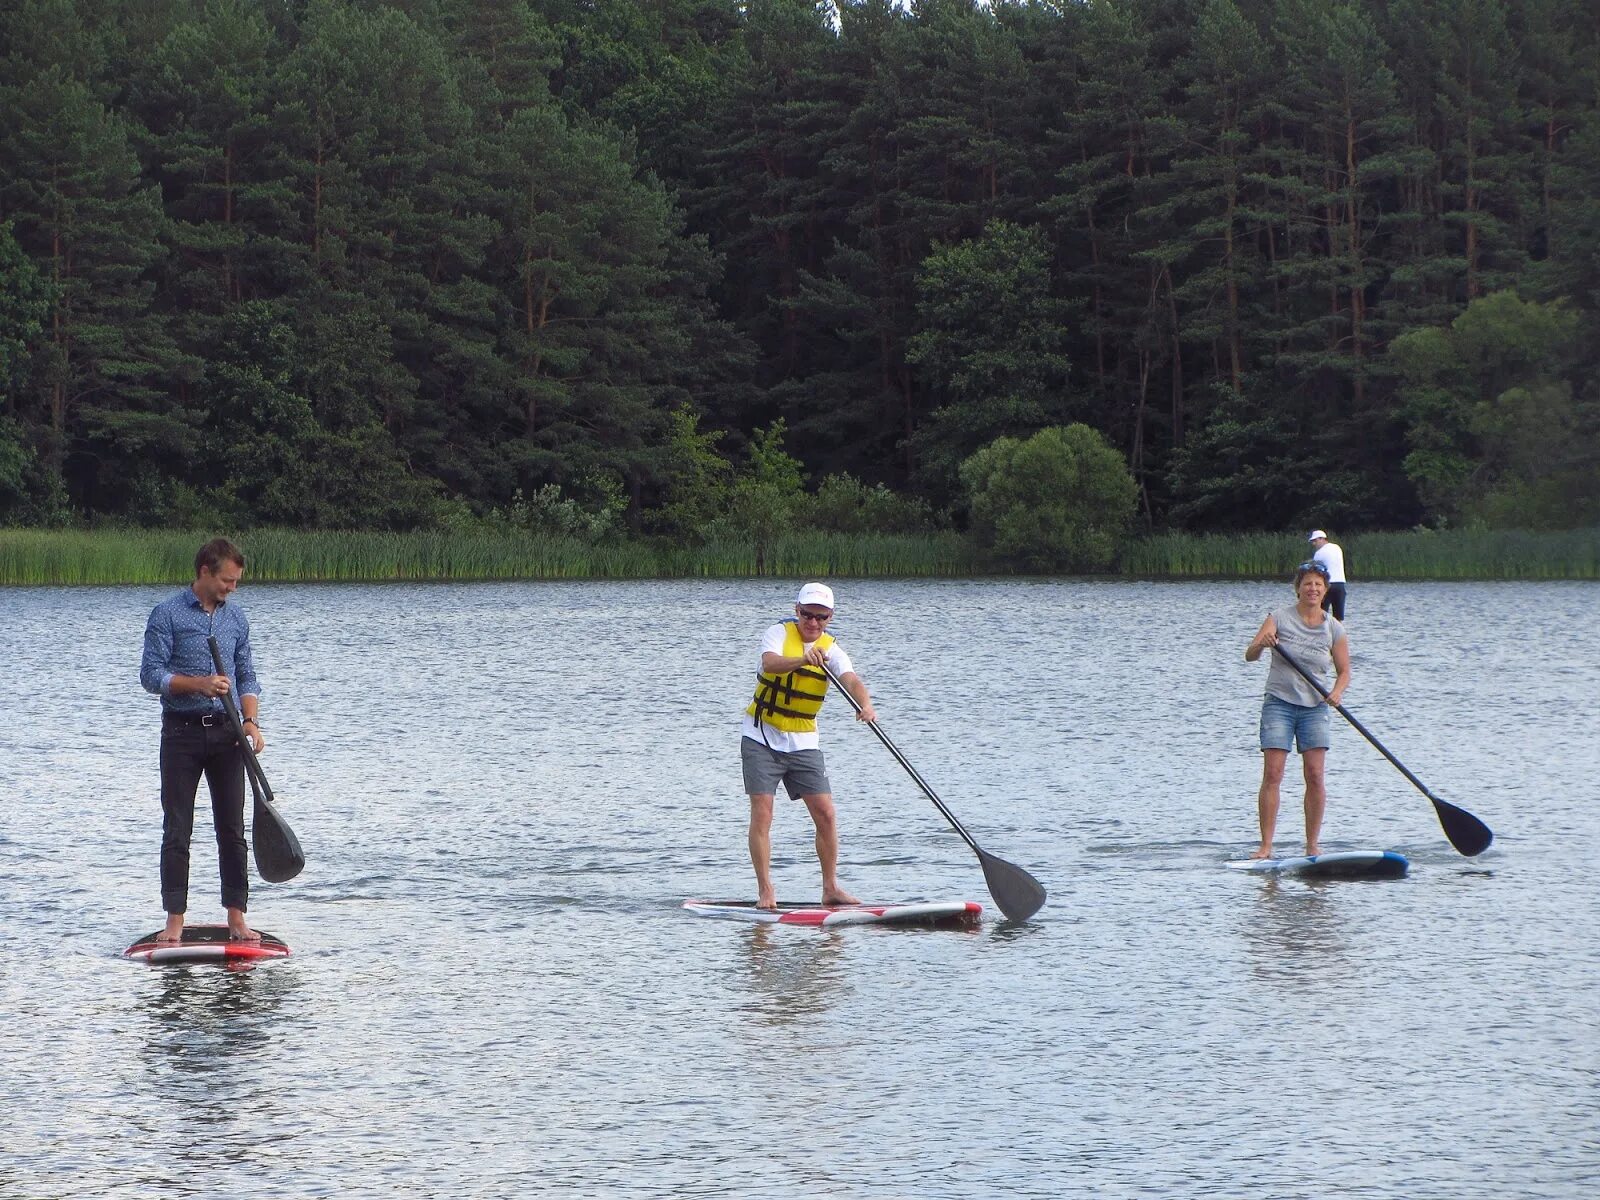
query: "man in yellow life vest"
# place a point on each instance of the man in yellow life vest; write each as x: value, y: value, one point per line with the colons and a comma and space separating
x: 780, y: 735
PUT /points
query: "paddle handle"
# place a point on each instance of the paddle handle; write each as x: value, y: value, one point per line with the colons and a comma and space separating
x: 905, y: 762
x: 258, y: 778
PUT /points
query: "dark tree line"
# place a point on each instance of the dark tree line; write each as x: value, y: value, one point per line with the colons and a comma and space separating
x: 335, y: 263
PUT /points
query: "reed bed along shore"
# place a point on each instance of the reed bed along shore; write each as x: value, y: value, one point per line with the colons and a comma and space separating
x: 1418, y: 554
x: 31, y: 556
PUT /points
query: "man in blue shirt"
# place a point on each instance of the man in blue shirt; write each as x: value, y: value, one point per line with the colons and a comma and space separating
x: 197, y: 735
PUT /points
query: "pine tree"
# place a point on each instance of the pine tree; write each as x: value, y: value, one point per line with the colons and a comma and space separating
x: 70, y: 183
x: 989, y: 345
x: 1208, y: 207
x: 1111, y: 138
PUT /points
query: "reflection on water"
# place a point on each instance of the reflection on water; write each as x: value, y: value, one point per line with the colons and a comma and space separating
x: 209, y: 1043
x: 1004, y: 931
x: 1297, y: 932
x: 793, y: 979
x: 209, y: 1018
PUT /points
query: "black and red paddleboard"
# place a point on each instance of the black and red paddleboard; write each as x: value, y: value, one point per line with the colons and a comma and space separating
x: 206, y: 943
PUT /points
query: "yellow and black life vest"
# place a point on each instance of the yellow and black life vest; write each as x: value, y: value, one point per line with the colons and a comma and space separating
x: 791, y: 701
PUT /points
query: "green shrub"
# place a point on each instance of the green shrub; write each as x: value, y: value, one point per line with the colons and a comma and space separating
x: 1061, y: 500
x: 843, y: 504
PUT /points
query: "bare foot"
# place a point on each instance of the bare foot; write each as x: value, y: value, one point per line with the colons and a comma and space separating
x: 172, y: 933
x: 238, y: 930
x: 768, y: 901
x: 1264, y: 852
x: 1312, y: 850
x: 838, y: 896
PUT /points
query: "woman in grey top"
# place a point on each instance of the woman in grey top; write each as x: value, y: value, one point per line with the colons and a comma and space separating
x: 1293, y: 715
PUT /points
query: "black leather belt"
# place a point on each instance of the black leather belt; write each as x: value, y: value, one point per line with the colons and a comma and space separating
x: 206, y: 720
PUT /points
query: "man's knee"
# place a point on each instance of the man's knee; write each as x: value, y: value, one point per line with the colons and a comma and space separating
x: 820, y: 805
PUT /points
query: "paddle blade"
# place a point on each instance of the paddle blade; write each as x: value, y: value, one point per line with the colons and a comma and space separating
x: 1466, y: 833
x: 1016, y: 893
x: 278, y: 854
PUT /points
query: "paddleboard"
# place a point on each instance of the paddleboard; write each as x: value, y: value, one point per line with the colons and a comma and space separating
x: 1342, y: 864
x: 206, y: 943
x: 933, y: 912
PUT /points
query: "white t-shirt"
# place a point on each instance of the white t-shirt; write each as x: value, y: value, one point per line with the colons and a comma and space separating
x: 781, y: 739
x: 1331, y: 557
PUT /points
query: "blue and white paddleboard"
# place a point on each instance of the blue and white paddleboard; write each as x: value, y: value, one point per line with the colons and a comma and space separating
x: 1342, y: 864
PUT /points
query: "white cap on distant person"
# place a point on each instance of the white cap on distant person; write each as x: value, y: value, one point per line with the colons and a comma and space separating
x: 1315, y: 534
x: 816, y: 593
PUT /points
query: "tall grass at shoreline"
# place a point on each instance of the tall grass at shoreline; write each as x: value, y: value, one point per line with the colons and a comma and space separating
x: 33, y: 556
x: 1419, y: 554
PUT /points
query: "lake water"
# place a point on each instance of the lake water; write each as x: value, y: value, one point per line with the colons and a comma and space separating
x: 505, y: 791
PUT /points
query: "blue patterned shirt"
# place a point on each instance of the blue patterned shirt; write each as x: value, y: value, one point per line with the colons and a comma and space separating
x: 175, y: 644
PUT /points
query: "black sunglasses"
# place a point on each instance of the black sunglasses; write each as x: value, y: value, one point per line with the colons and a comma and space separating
x: 815, y: 616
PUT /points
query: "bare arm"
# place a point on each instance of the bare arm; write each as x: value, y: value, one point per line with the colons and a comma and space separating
x: 858, y: 690
x: 1265, y: 637
x: 816, y: 656
x: 1341, y: 664
x: 778, y: 664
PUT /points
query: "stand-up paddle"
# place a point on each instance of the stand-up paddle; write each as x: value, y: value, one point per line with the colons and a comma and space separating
x: 1466, y: 833
x: 1016, y: 893
x: 278, y: 853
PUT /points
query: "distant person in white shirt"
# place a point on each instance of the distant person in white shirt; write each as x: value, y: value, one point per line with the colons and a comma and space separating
x: 1332, y: 559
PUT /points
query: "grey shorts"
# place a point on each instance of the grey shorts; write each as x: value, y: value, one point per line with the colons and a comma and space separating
x: 803, y: 772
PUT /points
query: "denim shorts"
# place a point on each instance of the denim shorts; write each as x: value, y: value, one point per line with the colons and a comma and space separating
x: 802, y: 772
x: 1283, y: 725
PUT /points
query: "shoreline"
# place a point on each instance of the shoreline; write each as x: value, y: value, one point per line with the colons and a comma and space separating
x: 43, y: 557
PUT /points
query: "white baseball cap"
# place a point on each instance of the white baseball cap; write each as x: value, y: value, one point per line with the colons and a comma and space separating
x: 816, y: 593
x: 1315, y: 534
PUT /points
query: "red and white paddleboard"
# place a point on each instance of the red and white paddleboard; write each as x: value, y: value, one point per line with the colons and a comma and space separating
x: 930, y: 912
x: 205, y: 943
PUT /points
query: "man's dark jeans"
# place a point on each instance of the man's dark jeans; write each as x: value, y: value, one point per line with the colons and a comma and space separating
x: 188, y: 750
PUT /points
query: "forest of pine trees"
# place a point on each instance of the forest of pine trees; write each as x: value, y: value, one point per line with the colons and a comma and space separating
x: 363, y: 264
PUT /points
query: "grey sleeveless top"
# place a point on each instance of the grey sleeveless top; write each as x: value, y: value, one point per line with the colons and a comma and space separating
x: 1312, y: 647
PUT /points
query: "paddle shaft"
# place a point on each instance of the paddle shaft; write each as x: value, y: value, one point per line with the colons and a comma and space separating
x: 278, y: 853
x: 1018, y: 894
x: 1349, y: 716
x: 1466, y: 833
x: 904, y: 762
x: 258, y: 778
